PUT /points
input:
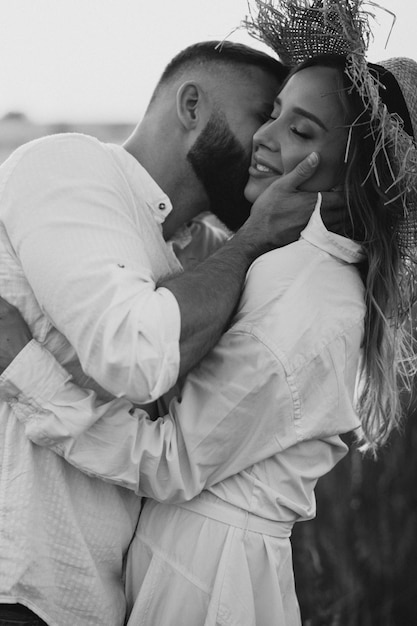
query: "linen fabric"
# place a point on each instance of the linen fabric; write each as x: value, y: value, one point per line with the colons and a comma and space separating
x: 81, y: 228
x: 81, y: 249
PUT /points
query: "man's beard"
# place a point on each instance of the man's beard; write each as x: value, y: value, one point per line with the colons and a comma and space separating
x: 221, y: 164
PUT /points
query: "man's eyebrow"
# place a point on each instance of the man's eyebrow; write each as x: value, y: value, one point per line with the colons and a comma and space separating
x: 304, y: 113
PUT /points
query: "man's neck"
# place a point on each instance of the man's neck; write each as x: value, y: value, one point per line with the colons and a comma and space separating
x: 175, y: 176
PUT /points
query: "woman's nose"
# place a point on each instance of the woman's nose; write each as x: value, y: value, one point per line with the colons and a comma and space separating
x: 267, y: 135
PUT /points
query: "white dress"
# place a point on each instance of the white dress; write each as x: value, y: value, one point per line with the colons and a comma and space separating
x: 194, y: 570
x: 224, y: 558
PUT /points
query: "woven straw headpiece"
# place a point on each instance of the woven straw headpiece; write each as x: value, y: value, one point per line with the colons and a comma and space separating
x: 404, y: 71
x: 298, y: 29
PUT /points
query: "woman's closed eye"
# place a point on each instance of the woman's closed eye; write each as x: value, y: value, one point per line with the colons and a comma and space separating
x: 300, y: 133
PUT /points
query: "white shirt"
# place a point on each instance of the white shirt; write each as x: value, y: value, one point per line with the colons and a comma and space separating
x: 273, y: 381
x: 81, y: 249
x: 81, y: 228
x: 273, y: 395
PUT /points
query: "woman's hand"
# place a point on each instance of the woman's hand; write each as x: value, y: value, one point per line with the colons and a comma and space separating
x: 14, y: 333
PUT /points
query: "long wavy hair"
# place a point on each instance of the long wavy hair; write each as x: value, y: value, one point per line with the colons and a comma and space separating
x: 373, y: 217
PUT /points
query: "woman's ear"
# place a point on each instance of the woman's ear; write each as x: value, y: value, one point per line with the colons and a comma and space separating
x: 189, y: 97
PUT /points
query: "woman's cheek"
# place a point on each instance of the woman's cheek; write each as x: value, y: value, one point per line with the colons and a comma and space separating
x: 323, y: 179
x: 292, y: 159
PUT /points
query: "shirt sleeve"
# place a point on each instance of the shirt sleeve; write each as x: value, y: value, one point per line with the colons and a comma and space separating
x: 213, y: 431
x: 75, y: 229
x: 266, y: 386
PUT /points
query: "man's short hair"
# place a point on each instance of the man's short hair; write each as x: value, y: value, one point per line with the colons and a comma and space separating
x: 212, y: 53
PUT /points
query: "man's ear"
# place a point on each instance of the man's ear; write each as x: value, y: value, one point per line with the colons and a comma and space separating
x: 189, y: 102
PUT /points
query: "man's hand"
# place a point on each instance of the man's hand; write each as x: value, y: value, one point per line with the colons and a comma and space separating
x: 14, y: 333
x: 207, y: 295
x: 282, y: 211
x: 334, y: 214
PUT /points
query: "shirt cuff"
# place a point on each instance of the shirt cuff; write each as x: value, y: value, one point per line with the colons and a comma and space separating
x: 35, y: 373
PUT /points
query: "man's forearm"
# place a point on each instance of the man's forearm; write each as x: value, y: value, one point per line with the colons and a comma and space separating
x: 207, y: 296
x: 203, y: 440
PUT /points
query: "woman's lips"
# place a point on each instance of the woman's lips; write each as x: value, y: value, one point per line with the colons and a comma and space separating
x: 262, y: 168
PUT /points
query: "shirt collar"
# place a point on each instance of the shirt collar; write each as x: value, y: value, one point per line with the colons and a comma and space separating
x: 341, y: 247
x: 156, y: 199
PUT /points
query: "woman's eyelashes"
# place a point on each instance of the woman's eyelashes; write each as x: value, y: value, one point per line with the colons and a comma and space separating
x: 297, y: 129
x: 293, y: 128
x: 300, y: 133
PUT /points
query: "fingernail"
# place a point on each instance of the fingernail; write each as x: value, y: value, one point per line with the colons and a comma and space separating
x: 313, y: 159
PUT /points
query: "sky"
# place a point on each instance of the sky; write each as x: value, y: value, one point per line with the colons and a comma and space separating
x: 99, y: 60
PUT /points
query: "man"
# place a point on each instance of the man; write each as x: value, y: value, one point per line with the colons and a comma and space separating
x: 84, y: 260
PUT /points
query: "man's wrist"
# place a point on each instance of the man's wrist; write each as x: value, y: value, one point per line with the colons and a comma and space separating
x: 249, y: 245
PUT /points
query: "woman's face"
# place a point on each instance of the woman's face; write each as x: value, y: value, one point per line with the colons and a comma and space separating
x: 308, y: 116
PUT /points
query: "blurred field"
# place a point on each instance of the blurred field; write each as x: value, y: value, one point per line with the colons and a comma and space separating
x: 16, y: 129
x: 356, y: 563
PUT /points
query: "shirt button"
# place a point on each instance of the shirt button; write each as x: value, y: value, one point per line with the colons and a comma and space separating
x: 162, y: 206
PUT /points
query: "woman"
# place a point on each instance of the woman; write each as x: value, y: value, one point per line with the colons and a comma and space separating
x: 312, y: 315
x: 225, y: 556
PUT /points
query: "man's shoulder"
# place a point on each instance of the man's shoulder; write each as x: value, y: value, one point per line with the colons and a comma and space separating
x: 58, y: 155
x: 58, y: 142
